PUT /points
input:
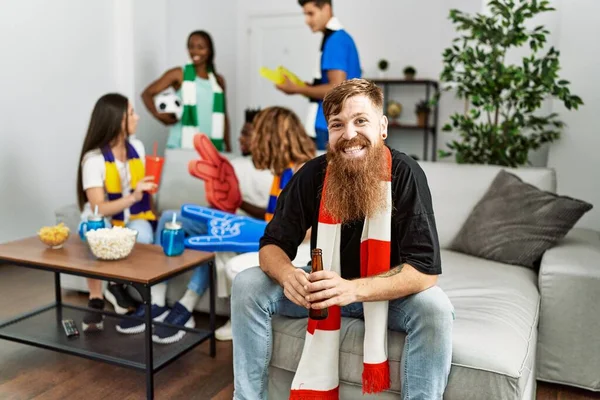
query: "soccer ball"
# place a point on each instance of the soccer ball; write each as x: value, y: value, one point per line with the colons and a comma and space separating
x: 169, y: 102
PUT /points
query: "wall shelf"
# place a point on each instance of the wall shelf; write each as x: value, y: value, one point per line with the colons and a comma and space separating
x: 431, y: 89
x: 398, y: 125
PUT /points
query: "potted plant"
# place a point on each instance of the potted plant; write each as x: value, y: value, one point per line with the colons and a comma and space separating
x: 383, y: 66
x: 502, y: 123
x: 422, y: 110
x: 409, y: 73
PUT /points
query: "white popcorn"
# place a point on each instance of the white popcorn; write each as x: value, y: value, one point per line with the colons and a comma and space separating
x: 111, y: 243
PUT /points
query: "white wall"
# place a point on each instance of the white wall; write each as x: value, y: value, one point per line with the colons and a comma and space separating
x: 124, y: 56
x: 575, y: 156
x: 218, y: 19
x: 63, y: 55
x: 149, y: 25
x: 244, y: 75
x: 160, y: 31
x: 551, y: 20
x: 411, y: 32
x: 58, y: 58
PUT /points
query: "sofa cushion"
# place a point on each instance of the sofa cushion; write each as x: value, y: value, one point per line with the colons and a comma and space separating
x: 456, y: 188
x: 496, y: 308
x: 515, y: 222
x: 177, y: 186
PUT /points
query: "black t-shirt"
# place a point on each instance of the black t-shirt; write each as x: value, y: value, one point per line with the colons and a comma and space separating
x: 414, y: 235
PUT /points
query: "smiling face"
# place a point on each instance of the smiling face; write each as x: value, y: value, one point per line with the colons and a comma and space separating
x: 357, y: 129
x: 356, y: 150
x: 199, y: 49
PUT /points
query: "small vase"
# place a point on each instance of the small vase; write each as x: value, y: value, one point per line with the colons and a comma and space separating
x: 422, y: 118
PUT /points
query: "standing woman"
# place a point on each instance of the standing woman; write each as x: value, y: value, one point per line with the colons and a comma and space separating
x: 202, y: 91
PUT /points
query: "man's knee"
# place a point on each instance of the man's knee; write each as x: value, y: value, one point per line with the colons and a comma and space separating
x: 249, y: 283
x: 435, y: 307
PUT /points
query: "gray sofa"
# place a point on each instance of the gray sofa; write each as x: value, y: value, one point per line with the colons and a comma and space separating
x: 513, y: 324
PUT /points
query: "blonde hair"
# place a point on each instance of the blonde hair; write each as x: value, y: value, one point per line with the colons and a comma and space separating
x: 279, y: 139
x: 334, y: 99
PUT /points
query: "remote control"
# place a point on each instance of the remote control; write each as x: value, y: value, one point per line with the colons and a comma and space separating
x: 70, y: 328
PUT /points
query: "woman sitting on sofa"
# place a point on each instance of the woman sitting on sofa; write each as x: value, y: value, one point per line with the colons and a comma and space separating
x: 280, y: 144
x: 111, y: 177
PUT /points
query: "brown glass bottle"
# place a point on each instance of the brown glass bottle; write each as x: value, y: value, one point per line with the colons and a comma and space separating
x: 317, y: 265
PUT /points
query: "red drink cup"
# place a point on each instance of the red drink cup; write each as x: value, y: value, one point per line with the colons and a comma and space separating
x: 154, y: 166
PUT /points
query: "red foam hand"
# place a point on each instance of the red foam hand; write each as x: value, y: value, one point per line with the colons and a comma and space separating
x: 221, y: 184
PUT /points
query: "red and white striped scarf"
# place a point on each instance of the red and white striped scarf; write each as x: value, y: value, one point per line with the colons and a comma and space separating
x: 317, y: 376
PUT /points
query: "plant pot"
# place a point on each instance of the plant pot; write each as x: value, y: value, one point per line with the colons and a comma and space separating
x: 409, y: 77
x: 381, y: 74
x: 422, y: 118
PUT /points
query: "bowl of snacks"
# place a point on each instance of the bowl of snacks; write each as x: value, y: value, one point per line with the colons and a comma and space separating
x: 114, y: 243
x: 54, y: 236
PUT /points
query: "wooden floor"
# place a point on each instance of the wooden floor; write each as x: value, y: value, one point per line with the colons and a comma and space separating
x: 31, y: 373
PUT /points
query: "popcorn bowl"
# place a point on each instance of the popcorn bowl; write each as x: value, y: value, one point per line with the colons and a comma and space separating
x: 114, y: 243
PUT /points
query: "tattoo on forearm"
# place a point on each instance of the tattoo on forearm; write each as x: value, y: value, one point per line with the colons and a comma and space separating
x: 392, y: 272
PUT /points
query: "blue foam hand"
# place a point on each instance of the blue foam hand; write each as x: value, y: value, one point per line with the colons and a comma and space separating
x: 226, y: 232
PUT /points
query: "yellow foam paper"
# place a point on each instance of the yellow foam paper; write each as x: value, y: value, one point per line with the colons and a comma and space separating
x: 278, y: 75
x: 274, y: 76
x: 291, y: 76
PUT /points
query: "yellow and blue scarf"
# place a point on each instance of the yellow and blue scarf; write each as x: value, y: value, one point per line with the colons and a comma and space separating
x: 279, y: 183
x: 112, y: 183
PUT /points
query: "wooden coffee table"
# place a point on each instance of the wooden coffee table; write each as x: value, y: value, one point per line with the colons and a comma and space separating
x: 144, y: 267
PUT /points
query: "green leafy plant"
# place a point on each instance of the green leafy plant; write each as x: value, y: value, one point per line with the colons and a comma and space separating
x: 383, y: 64
x: 500, y: 124
x: 422, y: 106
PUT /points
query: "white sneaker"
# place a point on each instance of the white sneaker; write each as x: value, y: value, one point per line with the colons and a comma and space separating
x: 224, y: 332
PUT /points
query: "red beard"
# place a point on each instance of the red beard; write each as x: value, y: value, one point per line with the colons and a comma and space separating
x: 354, y: 190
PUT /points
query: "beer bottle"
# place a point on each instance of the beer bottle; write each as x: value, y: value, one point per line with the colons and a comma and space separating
x: 317, y: 265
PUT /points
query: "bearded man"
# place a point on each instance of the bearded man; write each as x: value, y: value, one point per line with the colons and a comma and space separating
x: 371, y: 214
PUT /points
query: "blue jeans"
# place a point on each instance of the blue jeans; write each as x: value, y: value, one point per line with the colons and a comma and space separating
x: 200, y: 279
x: 143, y: 227
x: 426, y: 317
